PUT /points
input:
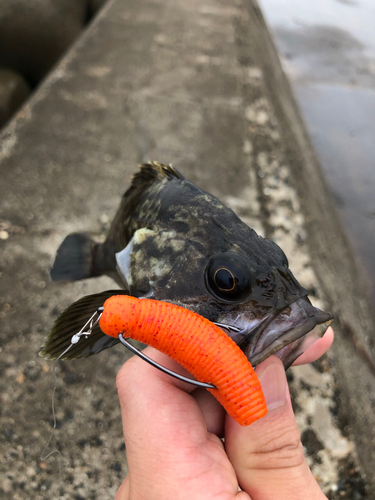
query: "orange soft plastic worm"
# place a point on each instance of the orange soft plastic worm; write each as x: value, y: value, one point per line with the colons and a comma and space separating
x: 198, y: 345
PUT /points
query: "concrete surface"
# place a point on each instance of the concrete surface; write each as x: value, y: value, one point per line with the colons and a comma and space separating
x: 193, y: 84
x: 353, y: 352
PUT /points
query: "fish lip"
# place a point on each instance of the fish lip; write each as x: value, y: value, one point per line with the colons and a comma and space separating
x: 280, y: 329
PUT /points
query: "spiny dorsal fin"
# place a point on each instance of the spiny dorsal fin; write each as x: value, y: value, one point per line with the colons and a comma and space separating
x: 149, y: 172
x: 123, y: 226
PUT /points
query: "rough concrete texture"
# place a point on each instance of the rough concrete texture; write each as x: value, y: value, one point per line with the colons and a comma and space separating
x: 344, y: 289
x: 167, y: 80
x: 331, y: 455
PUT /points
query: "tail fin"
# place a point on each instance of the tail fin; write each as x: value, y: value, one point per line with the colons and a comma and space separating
x: 74, y: 259
x: 71, y: 321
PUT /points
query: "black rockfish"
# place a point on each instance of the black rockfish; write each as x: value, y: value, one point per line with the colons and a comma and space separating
x: 174, y: 242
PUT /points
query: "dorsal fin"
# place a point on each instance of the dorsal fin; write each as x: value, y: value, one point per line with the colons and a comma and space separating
x: 123, y: 225
x: 148, y: 175
x: 149, y: 172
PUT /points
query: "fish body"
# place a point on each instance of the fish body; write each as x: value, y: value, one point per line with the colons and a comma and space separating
x: 174, y: 242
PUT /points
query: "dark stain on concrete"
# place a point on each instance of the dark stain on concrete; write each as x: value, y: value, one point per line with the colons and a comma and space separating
x: 312, y: 444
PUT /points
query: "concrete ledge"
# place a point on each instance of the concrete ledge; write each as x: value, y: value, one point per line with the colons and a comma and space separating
x: 178, y: 82
x: 332, y: 256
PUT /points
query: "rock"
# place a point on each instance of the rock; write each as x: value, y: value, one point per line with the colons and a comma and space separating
x: 96, y: 5
x: 33, y: 35
x: 14, y: 90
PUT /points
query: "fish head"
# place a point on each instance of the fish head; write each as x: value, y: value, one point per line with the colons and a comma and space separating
x: 230, y: 275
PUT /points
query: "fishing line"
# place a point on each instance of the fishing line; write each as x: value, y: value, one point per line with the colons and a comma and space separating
x: 44, y: 457
x: 75, y: 338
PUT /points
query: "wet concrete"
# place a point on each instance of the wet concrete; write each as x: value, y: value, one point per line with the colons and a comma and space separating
x: 342, y: 124
x: 333, y: 260
x: 327, y: 49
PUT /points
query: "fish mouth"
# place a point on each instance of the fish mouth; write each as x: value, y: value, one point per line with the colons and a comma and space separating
x: 287, y: 333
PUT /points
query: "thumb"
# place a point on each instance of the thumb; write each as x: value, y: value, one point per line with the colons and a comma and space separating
x: 268, y: 455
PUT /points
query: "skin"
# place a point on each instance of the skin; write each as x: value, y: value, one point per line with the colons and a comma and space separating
x: 172, y: 434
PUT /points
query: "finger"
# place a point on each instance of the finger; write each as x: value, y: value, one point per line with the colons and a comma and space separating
x: 165, y: 432
x: 317, y: 349
x: 213, y: 412
x: 211, y: 409
x: 268, y: 455
x: 157, y: 416
x: 158, y: 389
x: 123, y: 492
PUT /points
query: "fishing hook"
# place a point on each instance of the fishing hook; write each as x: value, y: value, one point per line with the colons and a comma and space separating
x: 93, y: 321
x: 228, y: 327
x: 139, y: 353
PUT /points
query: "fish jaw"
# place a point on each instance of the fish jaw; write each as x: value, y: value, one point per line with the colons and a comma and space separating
x: 286, y: 333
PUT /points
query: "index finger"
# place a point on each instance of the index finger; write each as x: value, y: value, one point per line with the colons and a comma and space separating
x: 164, y: 428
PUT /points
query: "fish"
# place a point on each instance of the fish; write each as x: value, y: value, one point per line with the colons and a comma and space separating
x: 174, y: 242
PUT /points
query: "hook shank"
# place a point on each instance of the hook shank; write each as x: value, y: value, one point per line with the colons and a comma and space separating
x: 139, y: 353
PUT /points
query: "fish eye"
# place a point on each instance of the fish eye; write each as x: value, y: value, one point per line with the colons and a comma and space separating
x: 228, y: 277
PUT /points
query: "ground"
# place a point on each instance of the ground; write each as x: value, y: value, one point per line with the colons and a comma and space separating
x: 180, y: 83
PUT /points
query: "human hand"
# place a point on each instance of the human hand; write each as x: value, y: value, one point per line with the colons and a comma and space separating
x: 172, y: 434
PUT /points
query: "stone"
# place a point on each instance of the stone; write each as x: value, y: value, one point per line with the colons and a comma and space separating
x: 33, y: 35
x: 14, y: 90
x: 96, y: 5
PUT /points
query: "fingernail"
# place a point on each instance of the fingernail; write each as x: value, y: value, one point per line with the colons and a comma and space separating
x: 273, y: 381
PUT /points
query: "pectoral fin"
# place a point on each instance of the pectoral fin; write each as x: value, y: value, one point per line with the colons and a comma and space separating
x: 71, y: 321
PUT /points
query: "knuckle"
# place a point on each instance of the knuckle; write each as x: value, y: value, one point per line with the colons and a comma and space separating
x: 281, y: 451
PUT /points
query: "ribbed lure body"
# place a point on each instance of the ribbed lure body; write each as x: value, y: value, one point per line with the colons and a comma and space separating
x: 198, y: 345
